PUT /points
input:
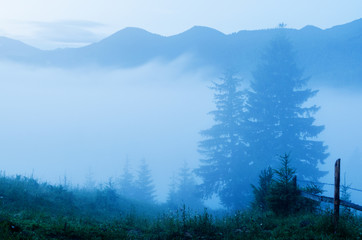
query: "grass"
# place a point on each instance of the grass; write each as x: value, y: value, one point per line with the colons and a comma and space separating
x: 33, y: 210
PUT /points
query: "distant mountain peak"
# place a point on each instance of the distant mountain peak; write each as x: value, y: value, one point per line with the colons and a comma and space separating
x: 128, y: 36
x: 310, y: 28
x: 132, y: 32
x: 203, y: 29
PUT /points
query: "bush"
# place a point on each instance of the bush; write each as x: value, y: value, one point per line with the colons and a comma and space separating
x: 278, y: 191
x: 261, y: 192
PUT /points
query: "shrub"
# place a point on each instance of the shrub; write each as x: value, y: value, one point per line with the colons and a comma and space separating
x: 263, y: 190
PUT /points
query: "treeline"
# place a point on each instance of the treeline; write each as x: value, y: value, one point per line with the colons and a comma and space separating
x: 139, y: 186
x: 183, y: 188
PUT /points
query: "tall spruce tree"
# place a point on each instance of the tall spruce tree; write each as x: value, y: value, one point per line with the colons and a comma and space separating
x: 279, y: 121
x: 224, y: 165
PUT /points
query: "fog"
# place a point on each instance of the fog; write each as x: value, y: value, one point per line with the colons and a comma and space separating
x: 57, y: 123
x: 341, y: 114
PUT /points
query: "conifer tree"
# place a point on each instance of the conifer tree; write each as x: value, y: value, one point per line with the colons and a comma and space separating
x: 185, y: 191
x: 263, y: 190
x: 224, y: 165
x: 279, y: 121
x: 284, y: 196
x: 126, y: 182
x: 255, y: 126
x: 172, y: 201
x: 145, y: 190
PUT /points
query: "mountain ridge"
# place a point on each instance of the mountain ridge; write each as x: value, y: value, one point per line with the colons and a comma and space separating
x: 324, y: 53
x: 354, y: 22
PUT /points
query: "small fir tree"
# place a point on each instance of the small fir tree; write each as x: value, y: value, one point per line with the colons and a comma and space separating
x: 145, y: 190
x: 263, y: 190
x: 172, y: 201
x: 127, y: 187
x: 185, y: 191
x: 284, y: 195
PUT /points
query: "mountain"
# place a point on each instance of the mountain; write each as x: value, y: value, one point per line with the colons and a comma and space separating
x: 17, y: 51
x: 330, y: 56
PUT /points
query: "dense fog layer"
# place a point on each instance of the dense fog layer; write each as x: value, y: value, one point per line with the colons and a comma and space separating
x: 75, y: 123
x: 82, y: 122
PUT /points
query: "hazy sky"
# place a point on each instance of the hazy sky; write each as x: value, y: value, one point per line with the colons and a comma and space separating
x: 59, y: 23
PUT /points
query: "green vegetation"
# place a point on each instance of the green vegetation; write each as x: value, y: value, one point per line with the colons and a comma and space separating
x: 278, y: 191
x: 33, y: 210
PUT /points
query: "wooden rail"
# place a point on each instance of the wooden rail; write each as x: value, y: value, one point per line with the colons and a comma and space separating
x: 330, y: 200
x: 336, y: 201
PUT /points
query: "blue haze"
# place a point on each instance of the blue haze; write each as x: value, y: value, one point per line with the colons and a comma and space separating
x: 69, y: 121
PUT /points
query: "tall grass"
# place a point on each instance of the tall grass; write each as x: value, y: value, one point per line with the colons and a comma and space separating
x: 33, y: 210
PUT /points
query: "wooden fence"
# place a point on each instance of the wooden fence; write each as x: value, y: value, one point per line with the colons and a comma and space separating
x: 331, y: 200
x: 336, y: 200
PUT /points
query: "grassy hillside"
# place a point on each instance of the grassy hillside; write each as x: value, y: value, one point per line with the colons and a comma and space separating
x: 33, y: 210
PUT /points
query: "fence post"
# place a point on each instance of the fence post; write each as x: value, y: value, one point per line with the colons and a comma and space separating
x: 337, y: 179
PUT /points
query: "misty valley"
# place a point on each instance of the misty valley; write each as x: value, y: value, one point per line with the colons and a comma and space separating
x: 200, y: 135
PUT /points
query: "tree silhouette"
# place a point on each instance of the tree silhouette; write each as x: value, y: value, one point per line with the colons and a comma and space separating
x: 278, y: 119
x: 263, y: 190
x: 224, y: 165
x: 145, y: 190
x: 255, y: 126
x: 284, y: 197
x: 172, y: 198
x: 127, y: 185
x: 185, y: 191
